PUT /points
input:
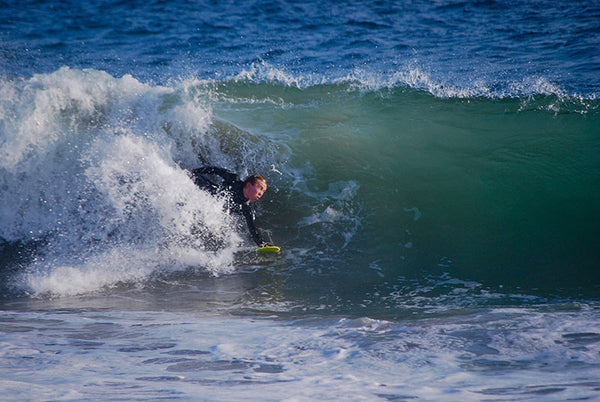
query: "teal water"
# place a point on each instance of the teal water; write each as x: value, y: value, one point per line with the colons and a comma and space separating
x: 502, y: 191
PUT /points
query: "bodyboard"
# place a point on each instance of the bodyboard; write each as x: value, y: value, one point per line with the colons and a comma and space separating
x: 268, y: 249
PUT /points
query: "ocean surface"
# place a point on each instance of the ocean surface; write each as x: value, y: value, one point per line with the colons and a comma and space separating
x: 434, y: 183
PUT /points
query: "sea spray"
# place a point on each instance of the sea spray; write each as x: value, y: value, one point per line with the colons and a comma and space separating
x: 93, y: 172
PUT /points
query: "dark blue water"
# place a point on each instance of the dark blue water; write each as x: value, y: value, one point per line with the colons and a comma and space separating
x: 502, y: 46
x: 434, y: 183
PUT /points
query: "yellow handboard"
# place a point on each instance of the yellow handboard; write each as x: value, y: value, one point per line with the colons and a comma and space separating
x: 268, y: 249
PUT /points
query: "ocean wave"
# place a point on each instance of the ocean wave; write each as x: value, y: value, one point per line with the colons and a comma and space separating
x: 393, y: 178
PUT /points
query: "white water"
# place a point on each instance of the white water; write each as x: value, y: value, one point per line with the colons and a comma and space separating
x: 500, y: 354
x: 93, y: 169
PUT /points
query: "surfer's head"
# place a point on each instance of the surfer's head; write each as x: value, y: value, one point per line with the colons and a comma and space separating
x: 254, y: 187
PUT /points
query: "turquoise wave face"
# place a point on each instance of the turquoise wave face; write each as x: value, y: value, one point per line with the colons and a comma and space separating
x: 374, y: 194
x: 398, y: 183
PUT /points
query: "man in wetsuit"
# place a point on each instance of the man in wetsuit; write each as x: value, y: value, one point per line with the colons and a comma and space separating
x: 241, y: 193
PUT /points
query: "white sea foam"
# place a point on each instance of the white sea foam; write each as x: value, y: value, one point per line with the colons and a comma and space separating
x: 491, y: 354
x: 412, y: 75
x: 92, y: 170
x: 263, y: 71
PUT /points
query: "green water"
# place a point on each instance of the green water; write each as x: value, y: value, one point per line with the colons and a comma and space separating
x: 501, y: 191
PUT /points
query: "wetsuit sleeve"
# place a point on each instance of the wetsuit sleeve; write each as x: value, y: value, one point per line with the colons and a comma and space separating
x: 250, y: 220
x: 225, y: 174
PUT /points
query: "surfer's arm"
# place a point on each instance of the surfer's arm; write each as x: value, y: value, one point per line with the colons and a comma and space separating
x: 250, y: 220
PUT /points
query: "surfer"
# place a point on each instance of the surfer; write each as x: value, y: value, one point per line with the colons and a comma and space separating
x: 241, y: 193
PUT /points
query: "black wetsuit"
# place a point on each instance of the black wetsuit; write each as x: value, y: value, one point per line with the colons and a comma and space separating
x: 234, y: 188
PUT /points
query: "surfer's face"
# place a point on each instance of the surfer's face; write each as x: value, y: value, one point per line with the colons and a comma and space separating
x: 253, y: 192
